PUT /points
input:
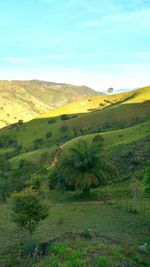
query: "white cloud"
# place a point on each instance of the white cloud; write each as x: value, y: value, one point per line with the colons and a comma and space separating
x: 134, y: 18
x: 117, y: 76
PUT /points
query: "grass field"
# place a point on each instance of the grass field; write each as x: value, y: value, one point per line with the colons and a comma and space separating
x: 115, y: 233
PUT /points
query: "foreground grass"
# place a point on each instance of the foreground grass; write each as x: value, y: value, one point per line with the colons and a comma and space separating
x: 115, y: 233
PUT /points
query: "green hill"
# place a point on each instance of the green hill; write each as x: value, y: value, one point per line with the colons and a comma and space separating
x: 27, y: 152
x: 25, y: 100
x: 122, y: 118
x: 110, y: 113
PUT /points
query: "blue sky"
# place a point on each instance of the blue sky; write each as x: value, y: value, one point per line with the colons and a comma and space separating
x: 94, y: 42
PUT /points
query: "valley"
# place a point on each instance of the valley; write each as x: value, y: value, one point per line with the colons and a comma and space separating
x: 89, y: 161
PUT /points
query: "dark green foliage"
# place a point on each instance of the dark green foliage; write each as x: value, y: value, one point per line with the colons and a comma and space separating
x: 64, y: 128
x: 86, y: 167
x: 102, y: 261
x: 98, y: 140
x: 44, y: 157
x: 21, y: 175
x: 28, y: 210
x: 38, y: 143
x: 7, y: 141
x: 4, y: 187
x: 65, y: 117
x: 20, y: 122
x: 147, y: 180
x: 56, y: 179
x: 49, y: 135
x: 51, y: 120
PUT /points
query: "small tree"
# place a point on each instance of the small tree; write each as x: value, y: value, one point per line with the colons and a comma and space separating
x: 110, y: 90
x: 48, y: 135
x: 86, y: 167
x: 28, y: 210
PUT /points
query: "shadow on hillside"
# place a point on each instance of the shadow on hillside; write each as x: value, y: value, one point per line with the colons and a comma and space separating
x: 111, y: 118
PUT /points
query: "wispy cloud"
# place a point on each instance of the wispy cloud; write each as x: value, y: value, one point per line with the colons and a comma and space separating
x: 127, y: 19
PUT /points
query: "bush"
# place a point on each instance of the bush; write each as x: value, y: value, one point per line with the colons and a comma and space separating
x: 102, y: 261
x: 52, y: 120
x: 38, y: 143
x: 64, y: 128
x: 49, y: 135
x: 28, y: 248
x: 28, y: 210
x: 65, y: 117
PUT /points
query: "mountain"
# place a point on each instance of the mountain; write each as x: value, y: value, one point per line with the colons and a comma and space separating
x: 25, y: 100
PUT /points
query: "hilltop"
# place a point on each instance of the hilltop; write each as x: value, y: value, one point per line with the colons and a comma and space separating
x: 25, y: 100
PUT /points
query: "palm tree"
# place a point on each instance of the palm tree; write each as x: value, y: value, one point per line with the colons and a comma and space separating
x: 85, y: 166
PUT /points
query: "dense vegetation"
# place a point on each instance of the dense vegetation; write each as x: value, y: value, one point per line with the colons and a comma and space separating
x: 78, y: 180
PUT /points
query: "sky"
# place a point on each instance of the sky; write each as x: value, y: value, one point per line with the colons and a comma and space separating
x: 98, y: 43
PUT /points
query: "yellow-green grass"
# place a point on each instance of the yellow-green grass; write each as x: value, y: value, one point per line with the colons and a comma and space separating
x: 129, y: 107
x: 87, y: 105
x: 101, y: 102
x: 112, y: 139
x: 33, y: 156
x: 5, y: 150
x: 27, y: 99
x: 117, y: 137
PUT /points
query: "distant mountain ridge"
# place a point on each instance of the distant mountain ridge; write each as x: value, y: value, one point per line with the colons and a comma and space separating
x: 27, y: 99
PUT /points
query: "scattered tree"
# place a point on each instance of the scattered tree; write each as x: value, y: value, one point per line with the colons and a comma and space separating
x: 64, y: 128
x: 28, y: 210
x: 110, y: 90
x: 51, y: 120
x: 49, y: 135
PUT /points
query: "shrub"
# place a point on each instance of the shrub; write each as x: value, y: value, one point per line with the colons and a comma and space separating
x: 38, y: 143
x: 28, y: 210
x: 58, y: 249
x: 65, y: 117
x: 52, y: 120
x: 49, y: 135
x: 64, y: 128
x: 102, y: 261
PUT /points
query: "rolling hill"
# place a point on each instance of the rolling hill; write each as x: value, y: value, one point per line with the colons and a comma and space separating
x: 91, y: 115
x: 28, y: 150
x: 25, y: 100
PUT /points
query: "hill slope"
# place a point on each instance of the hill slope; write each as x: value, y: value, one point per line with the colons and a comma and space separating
x: 119, y: 111
x: 27, y: 99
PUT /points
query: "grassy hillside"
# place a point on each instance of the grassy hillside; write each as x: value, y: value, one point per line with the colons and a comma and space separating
x: 119, y: 223
x: 110, y: 113
x: 112, y: 139
x: 116, y: 138
x: 27, y: 99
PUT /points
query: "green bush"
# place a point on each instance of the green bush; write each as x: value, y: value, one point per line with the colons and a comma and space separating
x: 58, y: 249
x: 49, y: 135
x: 52, y: 120
x: 102, y: 261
